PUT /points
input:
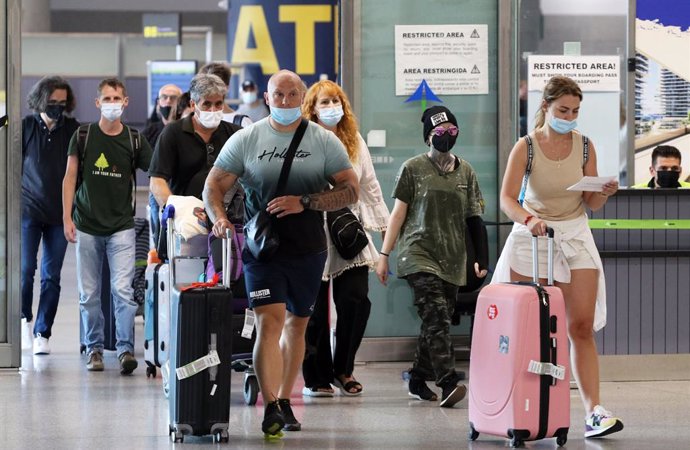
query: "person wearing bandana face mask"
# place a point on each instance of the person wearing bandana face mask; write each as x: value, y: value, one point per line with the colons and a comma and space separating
x: 559, y: 160
x: 326, y: 104
x: 665, y: 169
x: 437, y: 198
x: 45, y: 139
x: 253, y: 104
x: 98, y: 217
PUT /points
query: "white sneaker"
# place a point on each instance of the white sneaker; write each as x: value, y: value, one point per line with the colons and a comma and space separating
x: 41, y: 346
x: 27, y: 334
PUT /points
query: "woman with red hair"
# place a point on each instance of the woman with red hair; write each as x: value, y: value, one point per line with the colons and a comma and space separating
x: 326, y: 104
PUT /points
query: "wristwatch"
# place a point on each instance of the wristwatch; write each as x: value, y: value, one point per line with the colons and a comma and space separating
x: 305, y: 201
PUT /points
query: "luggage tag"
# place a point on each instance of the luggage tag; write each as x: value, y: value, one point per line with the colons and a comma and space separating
x: 249, y: 320
x: 197, y: 366
x: 540, y: 368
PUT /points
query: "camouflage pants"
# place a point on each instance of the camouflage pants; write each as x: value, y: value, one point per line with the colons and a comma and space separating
x: 434, y: 298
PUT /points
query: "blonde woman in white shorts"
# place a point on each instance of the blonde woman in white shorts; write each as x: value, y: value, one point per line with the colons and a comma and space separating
x: 561, y: 156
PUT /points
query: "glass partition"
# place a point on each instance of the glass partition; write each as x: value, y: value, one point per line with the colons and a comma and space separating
x: 378, y: 108
x: 10, y: 172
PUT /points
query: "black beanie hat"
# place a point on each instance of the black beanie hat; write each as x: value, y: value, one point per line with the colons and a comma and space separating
x: 435, y: 116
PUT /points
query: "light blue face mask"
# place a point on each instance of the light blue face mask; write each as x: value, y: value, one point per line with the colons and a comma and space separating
x: 331, y: 116
x: 561, y: 126
x: 286, y: 116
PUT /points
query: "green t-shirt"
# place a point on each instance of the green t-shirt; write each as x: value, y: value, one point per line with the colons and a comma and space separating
x: 103, y: 201
x: 432, y: 237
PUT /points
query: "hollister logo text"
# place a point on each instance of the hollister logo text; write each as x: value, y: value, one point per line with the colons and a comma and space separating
x: 263, y: 293
x: 492, y: 312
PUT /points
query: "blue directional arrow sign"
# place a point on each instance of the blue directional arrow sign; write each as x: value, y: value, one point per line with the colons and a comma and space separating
x: 423, y: 93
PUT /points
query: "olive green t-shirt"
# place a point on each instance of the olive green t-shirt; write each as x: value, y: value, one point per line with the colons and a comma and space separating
x: 432, y: 237
x: 103, y: 201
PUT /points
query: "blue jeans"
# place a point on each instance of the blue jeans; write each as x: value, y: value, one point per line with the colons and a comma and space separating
x: 54, y: 247
x: 119, y: 248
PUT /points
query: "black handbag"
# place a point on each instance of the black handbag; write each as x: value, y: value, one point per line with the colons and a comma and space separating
x: 261, y: 238
x: 346, y: 232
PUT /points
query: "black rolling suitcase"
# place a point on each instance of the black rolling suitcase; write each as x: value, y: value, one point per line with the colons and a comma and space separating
x: 200, y: 359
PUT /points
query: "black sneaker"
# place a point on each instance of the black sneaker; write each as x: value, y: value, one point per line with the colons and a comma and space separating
x: 273, y: 420
x: 291, y: 423
x: 452, y: 393
x: 419, y: 390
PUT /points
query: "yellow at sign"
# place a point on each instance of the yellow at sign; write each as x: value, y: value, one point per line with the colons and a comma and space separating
x: 252, y: 20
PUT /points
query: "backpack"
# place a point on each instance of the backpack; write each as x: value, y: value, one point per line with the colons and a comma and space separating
x: 530, y: 157
x: 134, y: 142
x: 237, y: 120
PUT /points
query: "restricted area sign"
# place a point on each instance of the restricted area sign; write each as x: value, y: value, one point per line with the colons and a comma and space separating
x: 592, y: 73
x: 453, y: 59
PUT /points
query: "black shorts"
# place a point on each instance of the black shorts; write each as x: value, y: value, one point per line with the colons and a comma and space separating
x: 294, y: 281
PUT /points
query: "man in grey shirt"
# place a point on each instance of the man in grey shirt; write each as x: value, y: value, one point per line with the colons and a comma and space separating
x: 282, y: 291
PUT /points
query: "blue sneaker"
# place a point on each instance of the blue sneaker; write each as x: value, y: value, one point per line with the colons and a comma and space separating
x: 601, y: 423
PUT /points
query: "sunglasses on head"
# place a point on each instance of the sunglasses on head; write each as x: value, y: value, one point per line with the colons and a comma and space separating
x: 440, y: 131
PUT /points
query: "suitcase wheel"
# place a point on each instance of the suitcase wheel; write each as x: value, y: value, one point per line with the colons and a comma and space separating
x: 561, y: 439
x: 150, y: 371
x: 517, y: 437
x: 221, y: 436
x: 251, y: 389
x: 177, y: 436
x: 473, y: 434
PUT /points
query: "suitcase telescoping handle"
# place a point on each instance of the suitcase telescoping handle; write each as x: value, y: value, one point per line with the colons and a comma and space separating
x: 535, y: 257
x: 227, y: 257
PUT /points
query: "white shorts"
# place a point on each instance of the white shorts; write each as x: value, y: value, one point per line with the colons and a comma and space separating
x: 521, y: 256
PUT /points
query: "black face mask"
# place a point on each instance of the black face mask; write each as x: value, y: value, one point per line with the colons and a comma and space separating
x: 667, y: 179
x: 54, y: 111
x: 444, y: 142
x: 164, y: 111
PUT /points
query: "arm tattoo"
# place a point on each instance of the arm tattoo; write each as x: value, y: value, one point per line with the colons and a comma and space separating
x: 338, y: 197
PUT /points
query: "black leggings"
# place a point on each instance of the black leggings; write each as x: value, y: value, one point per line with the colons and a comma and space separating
x: 351, y: 298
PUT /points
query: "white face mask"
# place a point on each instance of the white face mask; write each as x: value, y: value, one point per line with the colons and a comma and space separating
x: 112, y: 111
x: 331, y: 116
x: 248, y: 97
x: 209, y: 119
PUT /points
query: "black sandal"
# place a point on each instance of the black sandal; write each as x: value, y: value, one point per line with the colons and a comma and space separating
x: 347, y: 388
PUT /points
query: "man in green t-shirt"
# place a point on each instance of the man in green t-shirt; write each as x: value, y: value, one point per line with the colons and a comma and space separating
x: 98, y: 217
x: 437, y: 198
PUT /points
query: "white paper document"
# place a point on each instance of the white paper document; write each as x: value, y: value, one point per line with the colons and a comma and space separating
x: 593, y: 184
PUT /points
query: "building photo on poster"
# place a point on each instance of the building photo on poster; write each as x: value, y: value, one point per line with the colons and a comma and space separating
x: 662, y: 82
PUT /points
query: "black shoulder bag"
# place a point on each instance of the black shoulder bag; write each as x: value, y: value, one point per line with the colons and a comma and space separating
x: 260, y: 236
x: 346, y: 232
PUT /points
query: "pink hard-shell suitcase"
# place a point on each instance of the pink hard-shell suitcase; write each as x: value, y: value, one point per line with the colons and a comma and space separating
x: 519, y: 362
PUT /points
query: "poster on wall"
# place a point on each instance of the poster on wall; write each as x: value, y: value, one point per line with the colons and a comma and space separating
x: 592, y: 73
x: 662, y: 82
x: 453, y: 59
x: 298, y: 35
x: 160, y: 73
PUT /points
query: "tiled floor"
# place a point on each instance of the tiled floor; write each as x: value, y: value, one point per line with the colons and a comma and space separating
x: 54, y: 403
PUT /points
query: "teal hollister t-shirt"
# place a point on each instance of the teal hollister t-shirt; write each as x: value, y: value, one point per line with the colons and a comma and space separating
x: 256, y: 153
